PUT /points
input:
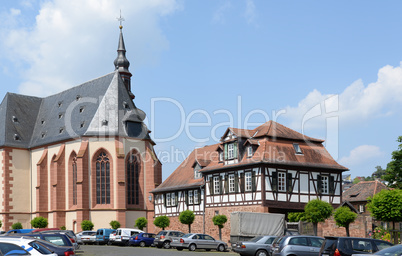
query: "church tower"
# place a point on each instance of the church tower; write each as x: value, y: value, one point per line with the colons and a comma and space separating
x: 121, y: 63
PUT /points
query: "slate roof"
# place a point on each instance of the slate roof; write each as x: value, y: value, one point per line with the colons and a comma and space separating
x: 361, y: 191
x: 95, y: 108
x: 273, y: 144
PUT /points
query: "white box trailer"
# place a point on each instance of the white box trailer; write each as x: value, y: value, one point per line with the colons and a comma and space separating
x: 245, y: 225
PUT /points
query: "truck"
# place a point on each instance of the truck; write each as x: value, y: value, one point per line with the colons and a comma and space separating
x: 246, y: 225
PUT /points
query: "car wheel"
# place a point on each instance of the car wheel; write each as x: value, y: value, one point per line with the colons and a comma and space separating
x: 127, y: 243
x: 207, y: 250
x: 166, y: 244
x: 142, y: 244
x: 221, y: 248
x: 192, y: 247
x: 179, y: 249
x: 261, y: 253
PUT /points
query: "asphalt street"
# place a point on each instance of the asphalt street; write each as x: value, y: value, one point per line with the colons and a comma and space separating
x: 98, y: 250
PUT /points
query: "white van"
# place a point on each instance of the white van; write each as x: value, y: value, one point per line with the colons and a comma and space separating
x: 123, y: 235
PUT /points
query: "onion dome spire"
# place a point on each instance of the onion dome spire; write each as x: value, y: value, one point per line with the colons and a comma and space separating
x: 121, y: 63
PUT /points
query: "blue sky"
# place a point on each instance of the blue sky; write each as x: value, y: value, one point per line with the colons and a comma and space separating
x: 331, y: 69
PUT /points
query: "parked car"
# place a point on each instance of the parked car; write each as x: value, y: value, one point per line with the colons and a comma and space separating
x: 24, y: 230
x: 123, y: 235
x: 165, y: 237
x: 299, y: 246
x: 78, y: 235
x: 258, y: 246
x: 58, y: 249
x: 395, y: 250
x: 57, y: 238
x: 89, y: 237
x: 69, y: 233
x: 103, y: 235
x: 112, y: 237
x: 198, y: 241
x: 28, y: 244
x: 346, y: 246
x: 12, y: 249
x: 142, y: 239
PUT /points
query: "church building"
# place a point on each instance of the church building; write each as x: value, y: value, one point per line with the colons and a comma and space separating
x: 81, y: 154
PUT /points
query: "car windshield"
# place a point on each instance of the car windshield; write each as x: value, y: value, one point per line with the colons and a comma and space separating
x: 187, y: 235
x: 162, y: 233
x: 394, y: 250
x: 40, y: 248
x: 256, y: 239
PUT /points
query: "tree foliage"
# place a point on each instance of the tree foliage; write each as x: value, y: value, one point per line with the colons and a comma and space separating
x: 296, y: 216
x: 393, y: 173
x: 87, y: 225
x: 16, y: 225
x: 187, y: 217
x: 162, y: 222
x: 343, y: 217
x: 386, y: 206
x: 317, y: 211
x: 1, y: 224
x: 141, y: 223
x: 39, y: 222
x: 114, y: 224
x: 219, y: 220
x: 379, y: 172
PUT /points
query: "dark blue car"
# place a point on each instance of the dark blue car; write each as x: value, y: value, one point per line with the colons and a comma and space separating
x: 142, y: 239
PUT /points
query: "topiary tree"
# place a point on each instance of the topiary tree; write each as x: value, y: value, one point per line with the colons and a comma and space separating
x: 162, y: 222
x: 343, y: 217
x: 386, y: 206
x: 87, y: 225
x: 16, y: 225
x: 63, y: 228
x: 317, y: 211
x: 114, y: 224
x: 141, y: 223
x: 296, y: 216
x: 39, y: 222
x: 187, y: 217
x: 1, y: 224
x: 219, y: 220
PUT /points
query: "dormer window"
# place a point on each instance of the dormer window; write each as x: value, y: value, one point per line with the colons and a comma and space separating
x: 231, y: 151
x: 221, y: 156
x: 197, y: 173
x: 297, y: 148
x: 249, y: 151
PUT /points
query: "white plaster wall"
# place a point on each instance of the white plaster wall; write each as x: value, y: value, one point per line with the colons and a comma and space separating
x: 101, y: 219
x: 21, y: 179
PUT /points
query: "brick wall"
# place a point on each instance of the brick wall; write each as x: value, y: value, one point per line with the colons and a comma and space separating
x: 359, y: 228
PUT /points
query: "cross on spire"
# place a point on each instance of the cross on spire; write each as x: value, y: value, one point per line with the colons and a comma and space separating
x: 121, y: 19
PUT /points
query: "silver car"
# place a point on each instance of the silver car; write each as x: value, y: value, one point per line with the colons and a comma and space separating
x: 198, y: 241
x: 258, y: 246
x: 297, y: 246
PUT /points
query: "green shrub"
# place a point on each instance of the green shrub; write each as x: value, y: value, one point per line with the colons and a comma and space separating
x: 87, y: 225
x: 141, y: 223
x: 114, y: 224
x: 16, y: 225
x: 39, y: 222
x: 162, y: 222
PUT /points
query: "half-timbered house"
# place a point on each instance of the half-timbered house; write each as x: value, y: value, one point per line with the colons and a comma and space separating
x: 271, y: 169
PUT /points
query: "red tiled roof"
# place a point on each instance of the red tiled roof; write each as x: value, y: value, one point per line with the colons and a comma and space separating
x: 362, y: 190
x: 278, y: 150
x: 276, y: 130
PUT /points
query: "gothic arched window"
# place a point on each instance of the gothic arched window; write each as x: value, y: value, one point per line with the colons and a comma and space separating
x: 74, y: 166
x: 102, y: 179
x: 133, y: 184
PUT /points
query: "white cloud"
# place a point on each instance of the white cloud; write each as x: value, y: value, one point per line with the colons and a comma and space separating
x: 219, y: 15
x: 74, y: 41
x: 361, y: 155
x: 355, y: 104
x: 251, y: 12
